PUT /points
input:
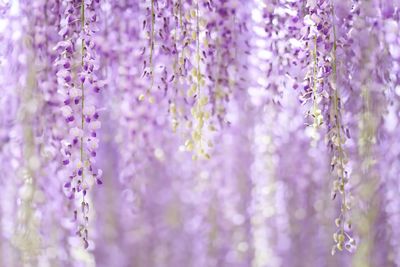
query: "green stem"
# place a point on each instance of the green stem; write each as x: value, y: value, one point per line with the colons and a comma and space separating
x: 83, y: 95
x: 153, y: 18
x: 198, y: 49
x: 337, y: 120
x: 180, y: 13
x: 176, y: 62
x: 315, y: 79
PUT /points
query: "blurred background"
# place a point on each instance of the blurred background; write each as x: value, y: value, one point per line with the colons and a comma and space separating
x: 245, y: 177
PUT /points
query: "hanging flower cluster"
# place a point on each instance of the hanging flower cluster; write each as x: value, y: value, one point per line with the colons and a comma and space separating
x: 78, y: 85
x: 223, y: 133
x: 318, y: 43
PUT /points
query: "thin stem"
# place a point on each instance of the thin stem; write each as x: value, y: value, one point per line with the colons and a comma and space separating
x: 198, y: 48
x: 82, y: 64
x: 83, y: 97
x: 315, y: 80
x: 337, y: 120
x: 176, y: 62
x: 153, y: 18
x: 198, y: 60
x: 180, y: 13
x: 235, y: 52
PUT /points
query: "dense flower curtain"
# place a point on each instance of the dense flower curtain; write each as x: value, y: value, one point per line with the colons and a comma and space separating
x: 200, y: 133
